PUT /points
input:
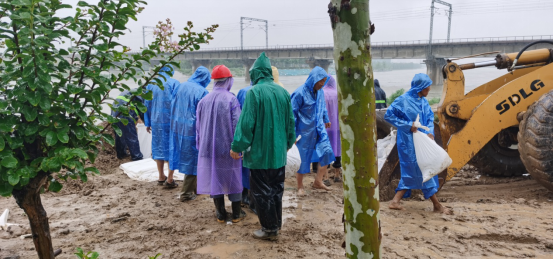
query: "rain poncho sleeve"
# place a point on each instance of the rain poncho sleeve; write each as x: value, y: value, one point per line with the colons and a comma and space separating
x: 265, y: 130
x: 182, y: 141
x: 216, y: 120
x: 401, y: 114
x: 158, y: 114
x: 331, y: 100
x: 309, y: 108
x: 325, y: 115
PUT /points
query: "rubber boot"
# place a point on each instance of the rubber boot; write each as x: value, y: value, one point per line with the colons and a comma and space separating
x: 220, y: 209
x: 245, y: 198
x: 237, y: 213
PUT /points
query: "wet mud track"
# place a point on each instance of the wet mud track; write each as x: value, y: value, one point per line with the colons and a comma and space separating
x: 122, y: 218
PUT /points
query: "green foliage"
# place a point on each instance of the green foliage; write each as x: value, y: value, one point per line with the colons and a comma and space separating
x: 89, y: 255
x: 433, y: 101
x: 395, y: 95
x: 154, y: 257
x: 51, y: 94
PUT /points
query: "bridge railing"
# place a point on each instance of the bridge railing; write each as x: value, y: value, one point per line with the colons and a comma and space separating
x: 385, y: 44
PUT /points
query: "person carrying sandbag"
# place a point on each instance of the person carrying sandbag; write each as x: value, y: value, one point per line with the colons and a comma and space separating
x: 402, y: 114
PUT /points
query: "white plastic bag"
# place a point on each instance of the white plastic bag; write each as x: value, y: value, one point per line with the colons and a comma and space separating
x: 384, y: 147
x: 431, y: 158
x: 144, y: 140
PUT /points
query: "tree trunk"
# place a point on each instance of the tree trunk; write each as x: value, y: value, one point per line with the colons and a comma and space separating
x: 350, y: 23
x: 28, y: 199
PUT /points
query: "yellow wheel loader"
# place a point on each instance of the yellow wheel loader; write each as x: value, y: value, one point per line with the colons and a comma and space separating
x: 503, y: 127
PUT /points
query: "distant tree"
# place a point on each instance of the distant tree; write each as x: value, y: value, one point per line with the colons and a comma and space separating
x: 51, y: 96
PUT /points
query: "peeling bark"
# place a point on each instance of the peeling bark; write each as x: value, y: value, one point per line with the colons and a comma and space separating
x: 350, y: 23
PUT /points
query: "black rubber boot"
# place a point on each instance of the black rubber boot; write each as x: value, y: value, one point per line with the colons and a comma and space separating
x: 245, y: 198
x: 237, y: 213
x: 220, y: 209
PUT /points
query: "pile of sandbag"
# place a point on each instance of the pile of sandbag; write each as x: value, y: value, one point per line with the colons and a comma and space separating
x: 384, y: 147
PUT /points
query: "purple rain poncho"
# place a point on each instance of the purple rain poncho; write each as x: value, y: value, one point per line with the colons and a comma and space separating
x: 217, y: 116
x: 331, y: 98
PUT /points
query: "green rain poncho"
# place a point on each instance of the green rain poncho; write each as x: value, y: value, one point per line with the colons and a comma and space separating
x: 266, y: 128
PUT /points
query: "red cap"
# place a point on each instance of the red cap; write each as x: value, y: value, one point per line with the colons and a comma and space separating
x: 220, y: 71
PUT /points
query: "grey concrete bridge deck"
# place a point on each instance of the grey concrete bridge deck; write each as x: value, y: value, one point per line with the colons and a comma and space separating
x: 322, y: 55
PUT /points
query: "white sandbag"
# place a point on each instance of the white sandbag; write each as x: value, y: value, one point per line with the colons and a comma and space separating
x: 431, y: 158
x: 293, y: 161
x: 146, y: 170
x: 144, y: 140
x: 384, y: 147
x: 4, y: 219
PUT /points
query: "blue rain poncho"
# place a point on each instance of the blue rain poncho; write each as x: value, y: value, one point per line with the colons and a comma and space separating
x: 402, y: 113
x: 158, y: 115
x: 182, y: 144
x: 241, y: 99
x: 309, y: 109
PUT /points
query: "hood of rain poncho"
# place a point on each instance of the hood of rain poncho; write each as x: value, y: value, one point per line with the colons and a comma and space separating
x: 182, y: 142
x: 316, y: 75
x: 420, y: 82
x: 276, y: 76
x: 201, y: 76
x: 332, y: 116
x: 216, y: 119
x: 261, y: 69
x: 330, y: 83
x: 310, y: 112
x: 402, y: 113
x: 224, y: 84
x: 167, y: 69
x: 376, y: 83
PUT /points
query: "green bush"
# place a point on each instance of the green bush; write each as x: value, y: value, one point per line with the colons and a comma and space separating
x: 395, y: 95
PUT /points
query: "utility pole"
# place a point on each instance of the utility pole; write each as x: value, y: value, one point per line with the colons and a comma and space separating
x: 144, y: 34
x: 450, y: 13
x: 255, y: 20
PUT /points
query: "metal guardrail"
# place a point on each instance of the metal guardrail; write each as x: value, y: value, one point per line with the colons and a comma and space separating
x: 394, y: 43
x: 508, y: 39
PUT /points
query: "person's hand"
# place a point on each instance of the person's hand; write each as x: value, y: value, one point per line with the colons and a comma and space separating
x: 149, y: 130
x: 431, y: 136
x: 235, y: 155
x: 327, y: 125
x: 413, y: 128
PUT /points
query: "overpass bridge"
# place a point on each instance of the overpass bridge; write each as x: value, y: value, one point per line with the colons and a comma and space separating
x: 322, y: 55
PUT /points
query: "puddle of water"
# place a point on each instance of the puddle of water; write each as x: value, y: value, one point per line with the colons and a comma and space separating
x: 222, y: 250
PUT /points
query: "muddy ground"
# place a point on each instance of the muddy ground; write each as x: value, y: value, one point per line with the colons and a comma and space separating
x: 122, y: 218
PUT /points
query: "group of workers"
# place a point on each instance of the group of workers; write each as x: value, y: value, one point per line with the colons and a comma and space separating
x: 237, y: 145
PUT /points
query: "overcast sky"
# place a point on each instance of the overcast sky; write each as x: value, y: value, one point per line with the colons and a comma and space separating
x: 294, y: 22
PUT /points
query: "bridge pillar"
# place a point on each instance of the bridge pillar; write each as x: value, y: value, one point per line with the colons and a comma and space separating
x: 196, y: 63
x: 247, y: 65
x: 324, y: 63
x: 434, y: 70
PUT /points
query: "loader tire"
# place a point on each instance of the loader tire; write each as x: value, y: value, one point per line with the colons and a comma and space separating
x: 495, y: 160
x: 536, y: 139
